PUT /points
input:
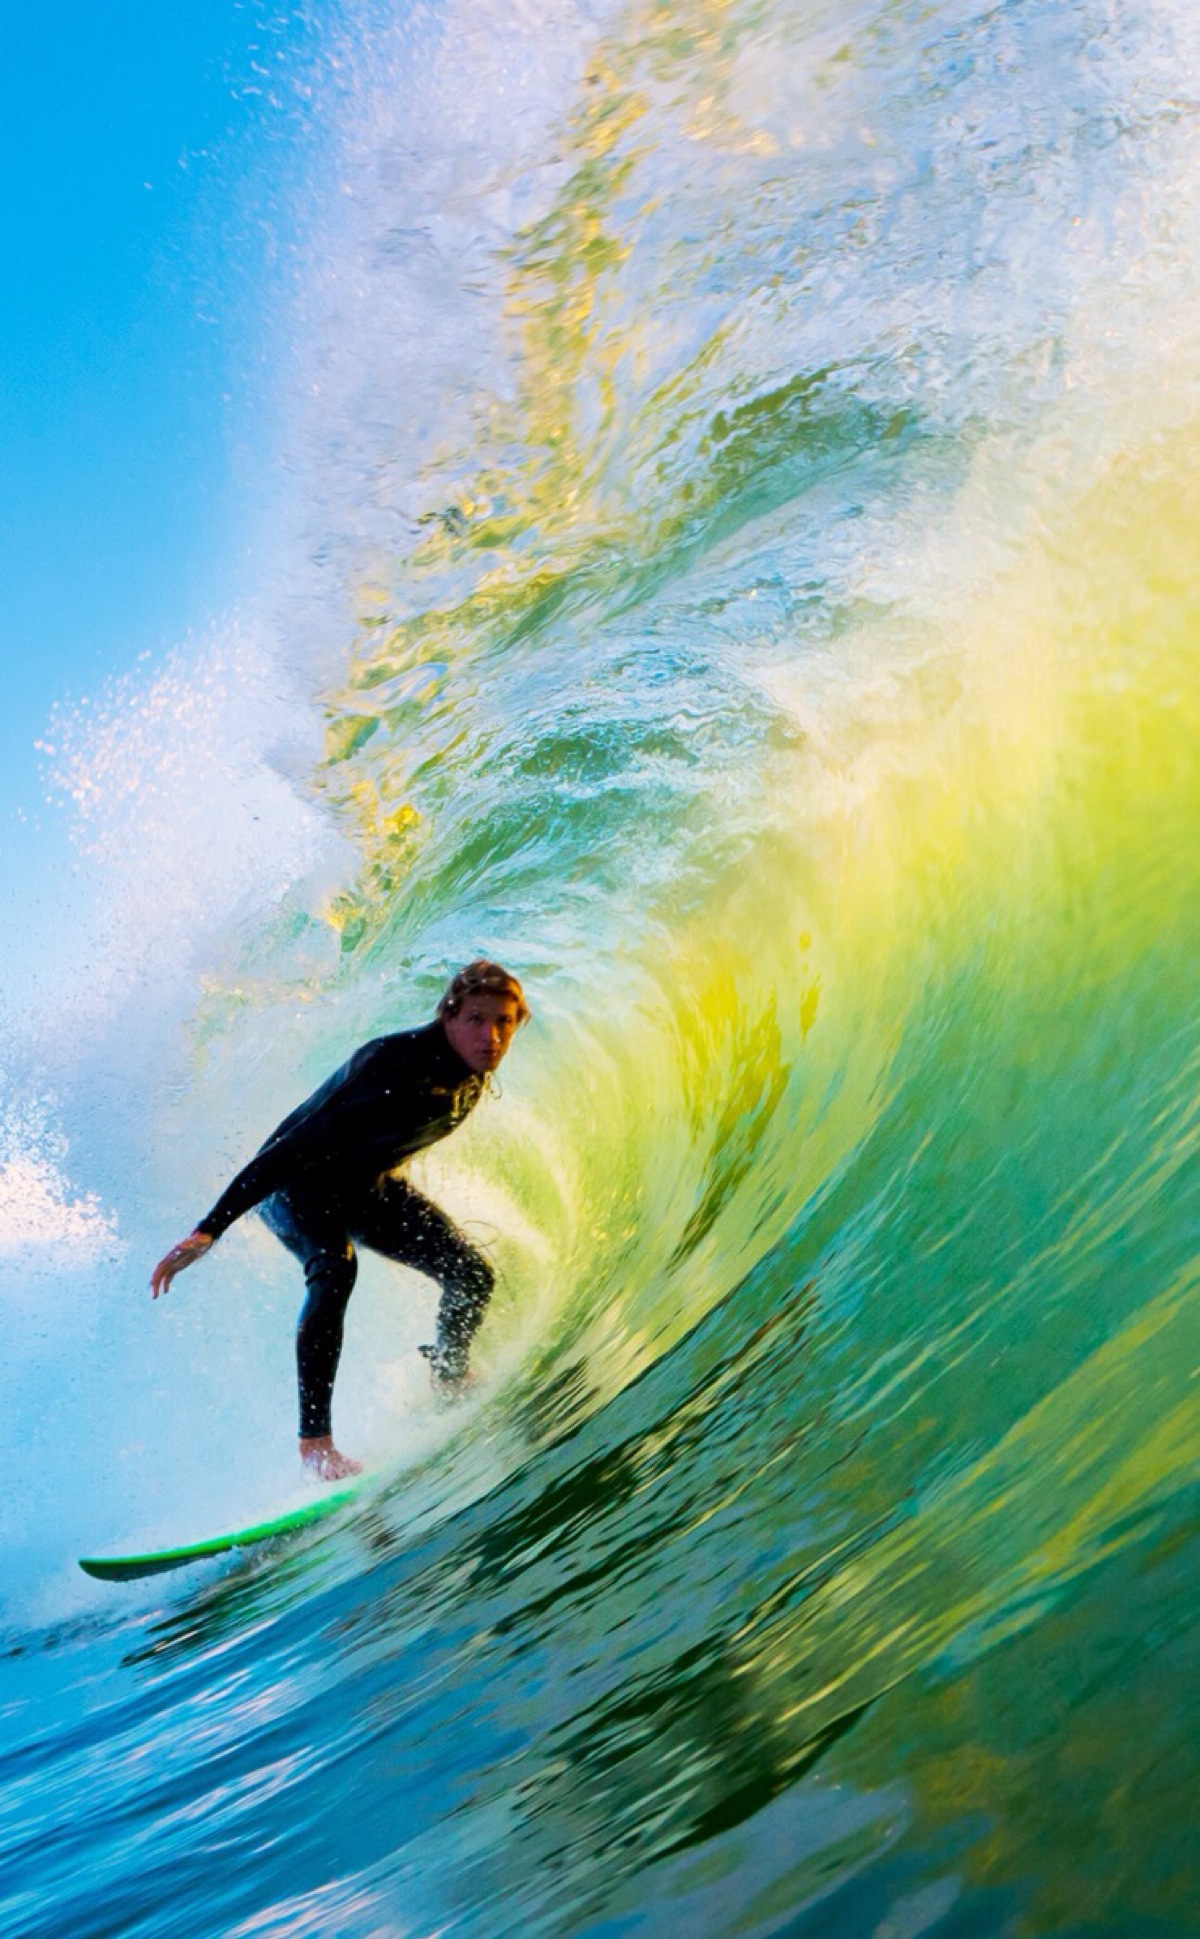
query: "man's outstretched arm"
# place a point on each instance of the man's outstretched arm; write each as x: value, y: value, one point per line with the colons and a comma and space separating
x: 267, y: 1171
x: 315, y: 1127
x: 254, y: 1182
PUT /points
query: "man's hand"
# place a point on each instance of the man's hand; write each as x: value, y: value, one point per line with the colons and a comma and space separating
x: 184, y: 1254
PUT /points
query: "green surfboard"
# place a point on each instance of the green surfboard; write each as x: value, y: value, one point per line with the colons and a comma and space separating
x: 127, y: 1568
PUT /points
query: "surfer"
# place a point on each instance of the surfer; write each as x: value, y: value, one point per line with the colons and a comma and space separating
x: 326, y: 1181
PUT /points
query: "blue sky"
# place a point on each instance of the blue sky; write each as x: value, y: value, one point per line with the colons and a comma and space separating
x: 138, y: 144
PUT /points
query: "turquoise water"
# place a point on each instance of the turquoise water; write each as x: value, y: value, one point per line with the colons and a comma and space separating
x: 748, y: 582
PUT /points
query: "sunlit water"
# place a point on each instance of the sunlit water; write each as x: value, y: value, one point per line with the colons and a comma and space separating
x: 745, y: 469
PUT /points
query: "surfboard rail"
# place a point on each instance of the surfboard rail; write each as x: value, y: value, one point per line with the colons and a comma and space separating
x: 129, y: 1568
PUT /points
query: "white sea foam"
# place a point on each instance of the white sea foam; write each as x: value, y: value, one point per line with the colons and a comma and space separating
x: 181, y: 811
x: 39, y: 1213
x: 45, y: 1220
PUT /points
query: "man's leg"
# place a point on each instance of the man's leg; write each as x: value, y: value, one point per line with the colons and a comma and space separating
x: 404, y: 1225
x: 330, y: 1268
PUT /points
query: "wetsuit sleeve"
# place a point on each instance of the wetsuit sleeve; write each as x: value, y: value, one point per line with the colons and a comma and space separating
x: 266, y: 1173
x: 300, y: 1139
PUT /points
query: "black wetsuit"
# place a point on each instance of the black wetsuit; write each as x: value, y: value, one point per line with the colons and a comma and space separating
x: 324, y: 1181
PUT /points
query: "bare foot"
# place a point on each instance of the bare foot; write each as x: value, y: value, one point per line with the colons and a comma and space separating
x: 326, y: 1462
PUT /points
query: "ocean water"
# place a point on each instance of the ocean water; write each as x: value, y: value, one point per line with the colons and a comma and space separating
x: 737, y: 564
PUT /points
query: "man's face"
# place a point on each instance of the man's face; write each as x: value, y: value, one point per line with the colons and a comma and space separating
x: 482, y: 1030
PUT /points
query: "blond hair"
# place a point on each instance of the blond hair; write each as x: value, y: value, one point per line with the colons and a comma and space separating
x: 482, y: 977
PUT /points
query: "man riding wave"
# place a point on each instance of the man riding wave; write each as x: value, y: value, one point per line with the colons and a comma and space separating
x: 326, y: 1182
